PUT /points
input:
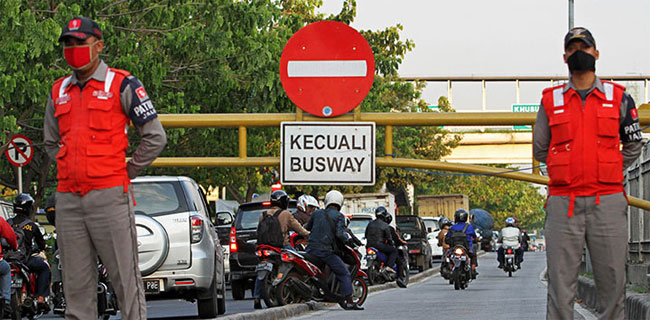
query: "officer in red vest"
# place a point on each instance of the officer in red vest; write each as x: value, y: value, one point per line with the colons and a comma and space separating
x: 578, y: 133
x: 86, y: 122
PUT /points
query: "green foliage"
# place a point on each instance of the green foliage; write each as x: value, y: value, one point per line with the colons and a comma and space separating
x: 501, y: 197
x: 217, y: 56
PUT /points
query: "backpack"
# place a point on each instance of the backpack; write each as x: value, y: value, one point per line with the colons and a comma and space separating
x: 269, y: 231
x: 459, y: 237
x: 24, y: 249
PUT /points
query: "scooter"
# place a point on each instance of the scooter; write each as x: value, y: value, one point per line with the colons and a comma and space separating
x: 377, y: 274
x: 304, y: 277
x: 267, y: 270
x: 460, y: 267
x: 509, y: 265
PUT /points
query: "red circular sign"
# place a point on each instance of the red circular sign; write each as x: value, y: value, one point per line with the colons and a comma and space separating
x: 20, y: 150
x: 327, y: 68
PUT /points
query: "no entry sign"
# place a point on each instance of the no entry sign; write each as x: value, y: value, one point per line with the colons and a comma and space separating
x: 327, y: 68
x: 20, y: 150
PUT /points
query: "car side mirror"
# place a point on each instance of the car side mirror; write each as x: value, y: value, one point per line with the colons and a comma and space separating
x: 223, y: 219
x: 429, y: 230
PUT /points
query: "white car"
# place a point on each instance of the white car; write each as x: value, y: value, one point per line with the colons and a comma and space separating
x: 358, y: 224
x: 431, y: 224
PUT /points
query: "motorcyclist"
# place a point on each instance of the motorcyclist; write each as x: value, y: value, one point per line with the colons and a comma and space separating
x: 460, y: 219
x: 279, y: 202
x: 23, y: 206
x: 380, y: 237
x: 443, y: 224
x: 328, y: 233
x: 306, y: 205
x: 57, y: 289
x: 9, y: 241
x: 510, y: 236
x: 524, y: 239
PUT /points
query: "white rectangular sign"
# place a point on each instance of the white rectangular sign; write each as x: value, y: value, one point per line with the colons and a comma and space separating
x: 330, y: 153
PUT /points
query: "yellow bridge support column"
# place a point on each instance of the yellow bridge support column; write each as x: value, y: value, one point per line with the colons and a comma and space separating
x: 388, y: 153
x: 242, y: 142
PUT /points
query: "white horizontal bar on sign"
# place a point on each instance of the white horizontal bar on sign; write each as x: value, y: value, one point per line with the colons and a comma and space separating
x: 327, y: 68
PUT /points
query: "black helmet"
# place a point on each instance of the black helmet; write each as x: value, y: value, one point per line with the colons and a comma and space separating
x: 50, y: 211
x: 23, y: 204
x: 444, y: 221
x: 280, y: 199
x: 460, y: 215
x: 382, y: 213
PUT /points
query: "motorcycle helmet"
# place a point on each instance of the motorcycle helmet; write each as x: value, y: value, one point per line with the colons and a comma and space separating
x: 382, y: 213
x: 306, y: 201
x: 50, y: 211
x: 23, y: 204
x: 334, y: 198
x: 280, y: 199
x: 460, y: 215
x: 443, y: 222
x: 510, y: 222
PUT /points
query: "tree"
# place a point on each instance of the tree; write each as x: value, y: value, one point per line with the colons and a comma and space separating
x: 219, y: 56
x: 501, y: 197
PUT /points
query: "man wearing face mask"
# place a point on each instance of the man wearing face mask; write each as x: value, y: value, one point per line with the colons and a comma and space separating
x: 578, y: 132
x: 87, y: 117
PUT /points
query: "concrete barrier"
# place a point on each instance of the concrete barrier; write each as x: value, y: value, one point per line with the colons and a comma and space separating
x: 637, y: 305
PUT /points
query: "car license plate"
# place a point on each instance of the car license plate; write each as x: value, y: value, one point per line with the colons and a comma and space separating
x: 264, y: 266
x: 153, y: 286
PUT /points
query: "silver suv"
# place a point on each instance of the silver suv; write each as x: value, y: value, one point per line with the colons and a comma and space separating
x: 178, y: 247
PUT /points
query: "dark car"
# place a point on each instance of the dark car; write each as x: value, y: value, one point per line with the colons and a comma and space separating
x: 243, y: 241
x: 413, y: 230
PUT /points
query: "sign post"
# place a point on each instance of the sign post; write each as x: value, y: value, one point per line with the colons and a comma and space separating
x: 19, y: 153
x: 327, y: 68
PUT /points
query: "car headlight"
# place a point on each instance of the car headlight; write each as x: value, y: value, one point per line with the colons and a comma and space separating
x: 406, y: 236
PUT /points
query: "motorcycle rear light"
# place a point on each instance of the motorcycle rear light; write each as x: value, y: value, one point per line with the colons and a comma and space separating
x: 196, y: 228
x: 414, y: 251
x: 459, y: 251
x: 509, y: 251
x: 370, y: 251
x: 285, y: 256
x: 233, y: 240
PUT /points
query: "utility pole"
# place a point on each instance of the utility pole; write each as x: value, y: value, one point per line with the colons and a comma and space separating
x: 571, y: 14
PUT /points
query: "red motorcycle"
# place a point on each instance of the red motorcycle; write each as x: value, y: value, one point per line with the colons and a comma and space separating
x: 23, y: 292
x: 267, y: 270
x: 304, y: 277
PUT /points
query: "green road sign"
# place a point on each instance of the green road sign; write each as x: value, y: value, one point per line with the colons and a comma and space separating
x: 524, y: 108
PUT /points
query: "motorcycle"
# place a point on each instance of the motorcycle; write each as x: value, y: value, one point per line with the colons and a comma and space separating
x: 377, y: 274
x: 509, y: 266
x: 303, y: 277
x: 23, y: 291
x: 106, y: 299
x: 266, y: 270
x: 460, y: 267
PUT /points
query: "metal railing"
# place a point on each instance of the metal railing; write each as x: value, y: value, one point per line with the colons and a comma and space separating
x: 551, y: 79
x: 242, y: 121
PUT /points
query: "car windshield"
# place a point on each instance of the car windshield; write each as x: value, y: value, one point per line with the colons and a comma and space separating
x: 358, y: 227
x: 248, y: 218
x: 159, y: 198
x: 408, y: 224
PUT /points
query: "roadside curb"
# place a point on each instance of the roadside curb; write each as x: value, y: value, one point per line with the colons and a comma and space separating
x: 293, y: 310
x: 637, y: 305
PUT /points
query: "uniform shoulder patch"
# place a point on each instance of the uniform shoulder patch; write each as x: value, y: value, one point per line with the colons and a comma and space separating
x: 141, y: 109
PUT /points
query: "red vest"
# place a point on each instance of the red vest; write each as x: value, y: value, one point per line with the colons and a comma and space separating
x: 93, y: 129
x: 584, y: 157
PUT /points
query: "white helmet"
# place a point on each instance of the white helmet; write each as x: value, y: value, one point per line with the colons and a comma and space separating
x: 334, y: 197
x: 305, y: 201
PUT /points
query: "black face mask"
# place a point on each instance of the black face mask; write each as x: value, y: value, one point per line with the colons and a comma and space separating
x: 581, y: 61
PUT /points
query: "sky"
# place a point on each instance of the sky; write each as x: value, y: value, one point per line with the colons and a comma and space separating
x: 507, y: 38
